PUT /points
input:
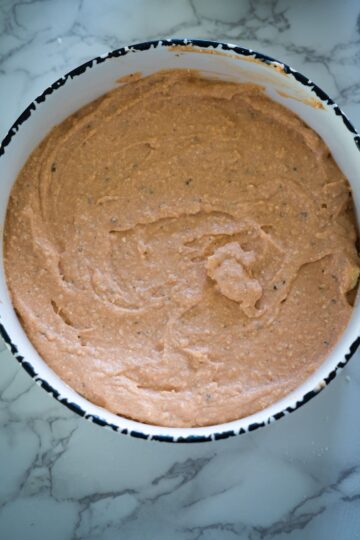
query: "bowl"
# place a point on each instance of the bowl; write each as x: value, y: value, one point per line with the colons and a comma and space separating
x: 222, y: 61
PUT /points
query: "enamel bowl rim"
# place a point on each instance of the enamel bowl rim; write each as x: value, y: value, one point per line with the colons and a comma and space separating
x: 152, y: 432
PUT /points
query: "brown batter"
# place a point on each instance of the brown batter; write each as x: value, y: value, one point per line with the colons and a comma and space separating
x: 180, y: 251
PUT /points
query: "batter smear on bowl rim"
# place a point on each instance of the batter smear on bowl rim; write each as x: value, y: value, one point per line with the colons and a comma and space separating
x: 182, y: 251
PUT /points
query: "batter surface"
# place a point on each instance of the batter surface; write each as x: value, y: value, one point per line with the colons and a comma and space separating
x: 181, y: 250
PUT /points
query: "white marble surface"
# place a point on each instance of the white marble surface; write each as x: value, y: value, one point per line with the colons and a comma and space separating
x: 66, y: 479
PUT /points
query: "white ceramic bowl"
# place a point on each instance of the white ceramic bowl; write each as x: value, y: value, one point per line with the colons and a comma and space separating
x: 87, y: 82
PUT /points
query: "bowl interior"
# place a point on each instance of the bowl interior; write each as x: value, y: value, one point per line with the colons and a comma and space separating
x: 104, y: 74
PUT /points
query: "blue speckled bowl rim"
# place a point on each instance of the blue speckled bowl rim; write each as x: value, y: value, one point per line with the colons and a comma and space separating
x: 196, y: 43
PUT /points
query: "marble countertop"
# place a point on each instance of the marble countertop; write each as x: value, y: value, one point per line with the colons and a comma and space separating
x: 66, y: 479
